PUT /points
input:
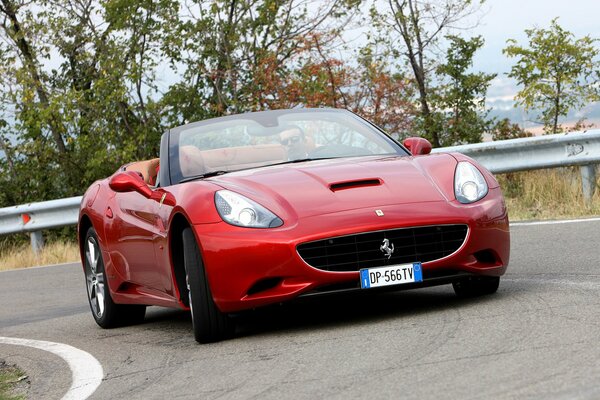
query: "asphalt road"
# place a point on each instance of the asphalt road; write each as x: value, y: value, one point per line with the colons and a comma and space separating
x: 538, y: 337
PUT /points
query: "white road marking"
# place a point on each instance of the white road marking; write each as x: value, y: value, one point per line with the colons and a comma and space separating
x: 564, y: 221
x: 86, y: 371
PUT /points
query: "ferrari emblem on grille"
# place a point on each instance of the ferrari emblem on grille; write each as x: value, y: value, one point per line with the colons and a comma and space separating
x: 379, y: 213
x: 386, y: 248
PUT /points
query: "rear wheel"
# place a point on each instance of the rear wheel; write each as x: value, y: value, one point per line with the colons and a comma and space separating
x: 476, y: 286
x: 210, y: 324
x: 106, y: 313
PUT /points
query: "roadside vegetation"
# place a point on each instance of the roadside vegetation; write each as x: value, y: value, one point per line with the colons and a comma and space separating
x: 15, y: 255
x: 11, y: 378
x: 547, y: 194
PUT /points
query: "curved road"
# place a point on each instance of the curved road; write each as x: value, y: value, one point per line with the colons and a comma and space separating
x: 538, y: 337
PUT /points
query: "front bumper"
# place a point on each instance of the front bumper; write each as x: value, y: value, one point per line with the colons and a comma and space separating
x: 249, y: 268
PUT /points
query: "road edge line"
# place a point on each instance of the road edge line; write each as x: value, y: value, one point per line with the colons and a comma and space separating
x: 555, y: 222
x: 86, y: 371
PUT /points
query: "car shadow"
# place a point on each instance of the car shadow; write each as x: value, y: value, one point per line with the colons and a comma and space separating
x: 348, y: 309
x: 331, y: 311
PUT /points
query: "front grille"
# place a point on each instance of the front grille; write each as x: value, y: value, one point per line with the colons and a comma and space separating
x: 363, y: 250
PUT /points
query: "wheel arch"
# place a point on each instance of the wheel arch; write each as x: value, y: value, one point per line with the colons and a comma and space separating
x: 85, y: 223
x: 178, y: 224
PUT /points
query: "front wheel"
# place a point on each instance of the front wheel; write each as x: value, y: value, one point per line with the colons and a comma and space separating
x: 209, y: 324
x: 106, y: 313
x: 476, y: 286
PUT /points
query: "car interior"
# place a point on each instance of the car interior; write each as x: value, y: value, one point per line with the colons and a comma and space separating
x: 148, y: 169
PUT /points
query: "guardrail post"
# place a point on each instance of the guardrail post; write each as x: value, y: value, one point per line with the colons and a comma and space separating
x: 588, y: 181
x: 37, y: 241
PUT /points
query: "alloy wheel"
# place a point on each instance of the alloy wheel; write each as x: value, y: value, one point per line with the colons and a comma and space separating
x: 94, y: 276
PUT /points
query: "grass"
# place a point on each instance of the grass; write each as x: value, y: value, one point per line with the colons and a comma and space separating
x: 547, y: 194
x: 10, y: 377
x: 530, y: 195
x: 21, y: 256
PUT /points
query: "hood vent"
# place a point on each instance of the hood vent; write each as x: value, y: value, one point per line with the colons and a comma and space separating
x: 354, y: 184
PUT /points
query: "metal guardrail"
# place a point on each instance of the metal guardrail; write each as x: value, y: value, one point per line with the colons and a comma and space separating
x: 563, y: 149
x: 575, y: 148
x: 35, y: 217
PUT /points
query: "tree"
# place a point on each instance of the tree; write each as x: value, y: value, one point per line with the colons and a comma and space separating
x: 17, y: 35
x: 382, y: 96
x: 221, y: 47
x: 504, y: 130
x: 78, y: 78
x: 558, y: 72
x: 416, y: 27
x: 460, y: 100
x: 368, y: 88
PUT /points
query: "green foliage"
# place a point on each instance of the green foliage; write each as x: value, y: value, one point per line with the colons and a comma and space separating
x: 228, y: 50
x: 82, y: 89
x: 94, y: 109
x: 504, y: 130
x: 558, y: 72
x: 9, y: 378
x: 459, y: 101
x: 413, y: 30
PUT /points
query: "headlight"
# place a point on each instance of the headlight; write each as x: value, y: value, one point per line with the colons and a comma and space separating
x: 238, y: 210
x: 469, y: 184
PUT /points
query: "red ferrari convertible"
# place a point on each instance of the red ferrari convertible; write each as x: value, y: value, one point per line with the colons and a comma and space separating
x: 248, y: 210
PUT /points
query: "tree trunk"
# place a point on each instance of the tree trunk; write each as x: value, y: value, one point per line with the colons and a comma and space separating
x: 425, y: 110
x: 409, y: 28
x: 224, y: 67
x: 556, y: 108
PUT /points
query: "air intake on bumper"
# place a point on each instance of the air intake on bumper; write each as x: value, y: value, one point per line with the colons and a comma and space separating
x: 367, y: 250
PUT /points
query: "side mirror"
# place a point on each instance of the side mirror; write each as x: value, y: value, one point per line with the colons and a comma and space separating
x: 129, y: 181
x: 417, y: 145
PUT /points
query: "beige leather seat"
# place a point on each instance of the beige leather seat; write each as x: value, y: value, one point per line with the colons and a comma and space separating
x: 191, y: 161
x: 232, y: 158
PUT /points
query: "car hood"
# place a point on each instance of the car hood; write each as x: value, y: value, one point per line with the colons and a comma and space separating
x: 327, y: 186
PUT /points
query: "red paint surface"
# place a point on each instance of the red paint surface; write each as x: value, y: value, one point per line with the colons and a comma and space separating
x: 414, y: 191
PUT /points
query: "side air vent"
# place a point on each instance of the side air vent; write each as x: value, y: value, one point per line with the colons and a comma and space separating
x: 354, y: 184
x: 263, y: 285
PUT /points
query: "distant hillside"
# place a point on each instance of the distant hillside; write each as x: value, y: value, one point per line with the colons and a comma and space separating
x: 504, y: 109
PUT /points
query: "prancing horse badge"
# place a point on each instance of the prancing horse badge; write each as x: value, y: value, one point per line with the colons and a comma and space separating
x: 386, y: 248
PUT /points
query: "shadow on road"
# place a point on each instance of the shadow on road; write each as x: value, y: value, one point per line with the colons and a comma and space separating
x: 330, y: 311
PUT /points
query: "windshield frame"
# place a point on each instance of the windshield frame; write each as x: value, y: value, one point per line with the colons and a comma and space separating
x: 170, y: 141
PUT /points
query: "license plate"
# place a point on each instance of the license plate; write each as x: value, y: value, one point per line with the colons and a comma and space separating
x: 390, y: 275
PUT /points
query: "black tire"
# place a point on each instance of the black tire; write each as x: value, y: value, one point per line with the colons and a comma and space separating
x: 105, y: 311
x: 209, y: 324
x: 476, y: 286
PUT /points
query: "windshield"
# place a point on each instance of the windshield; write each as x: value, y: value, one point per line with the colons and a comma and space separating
x: 266, y: 138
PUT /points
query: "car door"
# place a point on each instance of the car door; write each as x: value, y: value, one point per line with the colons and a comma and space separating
x: 137, y: 229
